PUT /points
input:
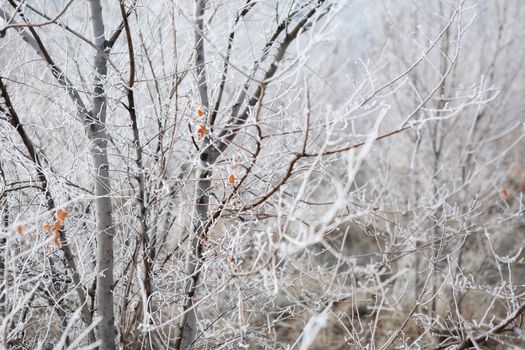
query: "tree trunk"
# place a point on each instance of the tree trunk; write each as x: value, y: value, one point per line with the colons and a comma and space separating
x: 97, y: 134
x: 188, y: 329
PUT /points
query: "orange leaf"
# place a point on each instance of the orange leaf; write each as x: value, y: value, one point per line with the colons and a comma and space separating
x: 201, y: 131
x: 62, y: 214
x: 504, y: 193
x: 200, y: 112
x: 231, y: 179
x: 56, y: 235
x: 56, y: 239
x: 20, y: 229
x: 46, y: 227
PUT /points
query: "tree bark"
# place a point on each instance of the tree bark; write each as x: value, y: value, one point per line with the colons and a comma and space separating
x: 188, y: 325
x: 97, y: 134
x: 188, y: 328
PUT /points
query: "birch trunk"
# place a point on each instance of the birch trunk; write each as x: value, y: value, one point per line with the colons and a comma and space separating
x: 97, y: 134
x: 188, y: 328
x: 188, y: 325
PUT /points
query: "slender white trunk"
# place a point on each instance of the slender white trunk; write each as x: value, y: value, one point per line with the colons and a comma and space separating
x: 97, y: 133
x: 104, y: 292
x: 188, y: 325
x: 194, y: 262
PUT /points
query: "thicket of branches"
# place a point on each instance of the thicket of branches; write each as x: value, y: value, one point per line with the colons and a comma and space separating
x: 262, y: 174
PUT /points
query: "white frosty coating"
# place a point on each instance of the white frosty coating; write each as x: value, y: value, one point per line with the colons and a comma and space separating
x: 337, y: 232
x: 315, y: 324
x: 315, y: 235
